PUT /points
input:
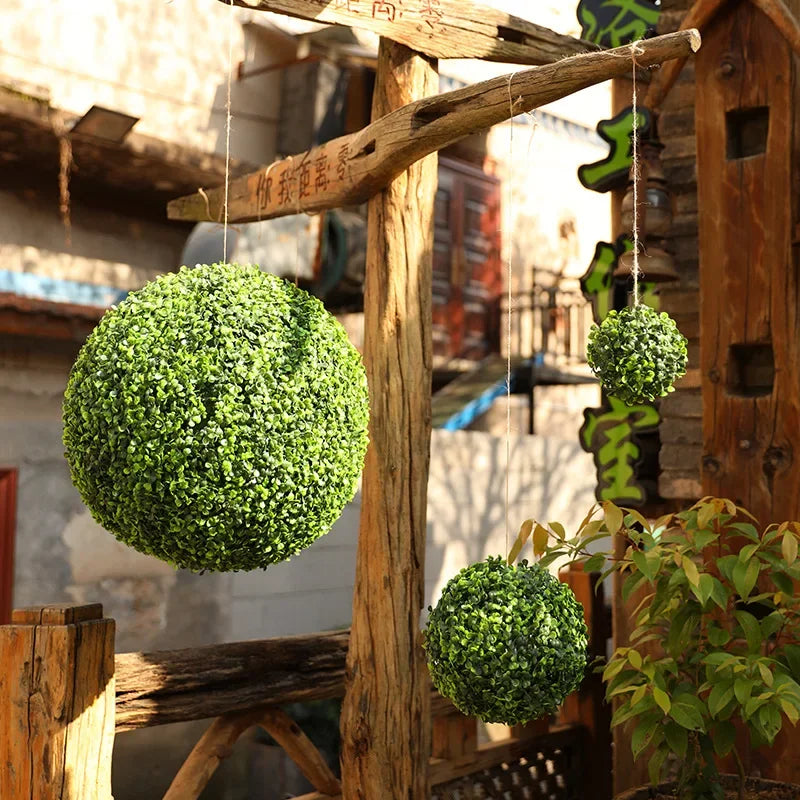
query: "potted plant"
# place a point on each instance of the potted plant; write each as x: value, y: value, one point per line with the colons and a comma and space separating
x: 713, y: 662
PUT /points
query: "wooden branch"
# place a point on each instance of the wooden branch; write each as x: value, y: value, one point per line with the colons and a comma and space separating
x: 216, y: 744
x: 197, y: 683
x: 783, y: 19
x: 351, y: 169
x: 285, y: 731
x: 438, y: 28
x: 698, y: 17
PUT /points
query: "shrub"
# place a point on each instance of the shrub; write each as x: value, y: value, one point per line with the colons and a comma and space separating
x: 716, y: 636
x: 217, y: 419
x: 506, y: 643
x: 637, y: 354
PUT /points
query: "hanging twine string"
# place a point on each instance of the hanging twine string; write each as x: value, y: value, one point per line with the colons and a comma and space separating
x: 635, y: 50
x: 509, y: 309
x: 231, y: 20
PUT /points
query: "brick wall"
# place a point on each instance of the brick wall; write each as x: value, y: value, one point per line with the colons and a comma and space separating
x: 681, y: 430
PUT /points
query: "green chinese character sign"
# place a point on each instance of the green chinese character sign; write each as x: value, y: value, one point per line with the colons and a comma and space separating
x: 609, y: 434
x: 612, y: 171
x: 598, y: 282
x: 613, y: 23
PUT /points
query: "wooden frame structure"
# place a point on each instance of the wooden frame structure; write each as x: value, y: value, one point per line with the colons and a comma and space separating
x: 386, y: 731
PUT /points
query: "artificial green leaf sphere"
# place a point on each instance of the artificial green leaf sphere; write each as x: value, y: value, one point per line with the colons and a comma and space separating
x: 506, y: 643
x: 637, y: 353
x: 217, y: 419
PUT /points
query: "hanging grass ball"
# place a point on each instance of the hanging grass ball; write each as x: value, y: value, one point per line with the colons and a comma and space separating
x: 217, y: 419
x: 506, y: 643
x: 637, y: 354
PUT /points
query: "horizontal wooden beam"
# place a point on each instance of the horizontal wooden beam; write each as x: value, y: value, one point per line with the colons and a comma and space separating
x: 351, y: 169
x: 438, y: 28
x: 202, y: 682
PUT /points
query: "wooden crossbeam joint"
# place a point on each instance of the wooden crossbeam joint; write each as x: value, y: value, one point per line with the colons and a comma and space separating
x: 351, y: 169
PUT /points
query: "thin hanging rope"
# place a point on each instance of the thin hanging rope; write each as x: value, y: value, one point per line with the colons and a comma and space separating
x: 635, y: 49
x: 231, y: 21
x: 509, y: 301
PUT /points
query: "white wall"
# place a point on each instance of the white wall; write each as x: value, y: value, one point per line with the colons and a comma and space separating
x: 548, y: 479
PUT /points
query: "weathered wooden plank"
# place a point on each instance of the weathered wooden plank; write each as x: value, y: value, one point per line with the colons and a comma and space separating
x: 351, y: 169
x: 698, y: 16
x: 438, y: 28
x: 57, y: 706
x: 783, y: 19
x: 387, y: 678
x: 749, y: 285
x: 180, y: 685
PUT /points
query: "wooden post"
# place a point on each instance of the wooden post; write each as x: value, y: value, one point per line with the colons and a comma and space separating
x: 588, y: 706
x: 386, y: 715
x: 57, y: 704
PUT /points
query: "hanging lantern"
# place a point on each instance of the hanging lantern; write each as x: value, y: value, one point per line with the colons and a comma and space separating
x: 655, y: 218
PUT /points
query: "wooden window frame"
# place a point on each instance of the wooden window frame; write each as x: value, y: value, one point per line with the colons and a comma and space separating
x: 8, y: 516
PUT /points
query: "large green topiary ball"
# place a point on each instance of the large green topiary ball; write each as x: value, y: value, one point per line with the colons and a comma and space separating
x: 637, y: 354
x: 506, y: 643
x: 217, y: 419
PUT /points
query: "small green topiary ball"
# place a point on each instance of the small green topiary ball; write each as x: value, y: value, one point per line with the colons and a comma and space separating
x: 217, y: 419
x: 506, y: 643
x: 637, y: 354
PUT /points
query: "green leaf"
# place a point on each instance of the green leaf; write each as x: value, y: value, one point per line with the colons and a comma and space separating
x: 751, y: 630
x: 723, y: 737
x: 540, y: 539
x: 655, y: 764
x: 746, y: 553
x: 789, y: 547
x: 783, y: 582
x: 766, y: 673
x: 705, y: 515
x: 719, y: 697
x: 692, y: 575
x: 642, y: 735
x: 719, y: 594
x: 687, y: 715
x: 703, y: 539
x: 677, y: 738
x: 742, y: 687
x: 594, y: 563
x: 718, y: 637
x: 647, y: 566
x: 635, y: 658
x: 744, y: 577
x: 791, y: 654
x: 791, y: 712
x: 559, y: 529
x: 613, y: 516
x: 662, y: 698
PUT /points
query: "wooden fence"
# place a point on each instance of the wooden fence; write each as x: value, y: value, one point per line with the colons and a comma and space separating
x: 64, y: 694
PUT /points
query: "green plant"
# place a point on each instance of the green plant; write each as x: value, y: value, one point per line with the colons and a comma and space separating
x: 637, y: 354
x: 716, y: 643
x: 506, y: 643
x: 217, y: 419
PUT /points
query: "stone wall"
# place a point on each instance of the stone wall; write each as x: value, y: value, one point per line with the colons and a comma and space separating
x: 681, y: 430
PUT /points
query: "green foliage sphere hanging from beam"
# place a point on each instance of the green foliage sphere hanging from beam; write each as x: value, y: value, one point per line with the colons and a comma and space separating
x: 637, y: 353
x: 217, y: 419
x: 506, y: 643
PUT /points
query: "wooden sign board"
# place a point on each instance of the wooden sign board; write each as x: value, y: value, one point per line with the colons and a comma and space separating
x: 351, y: 169
x: 438, y: 28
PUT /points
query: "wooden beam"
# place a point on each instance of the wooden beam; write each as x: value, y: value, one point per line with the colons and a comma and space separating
x: 202, y: 682
x: 386, y: 725
x: 783, y: 19
x: 438, y: 28
x: 57, y: 704
x: 351, y: 169
x: 698, y: 17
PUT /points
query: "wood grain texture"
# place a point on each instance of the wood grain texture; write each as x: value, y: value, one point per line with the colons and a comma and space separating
x: 386, y: 737
x: 749, y: 281
x: 57, y: 707
x: 351, y: 169
x: 698, y: 16
x: 438, y: 28
x: 783, y: 19
x: 198, y: 683
x: 8, y: 520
